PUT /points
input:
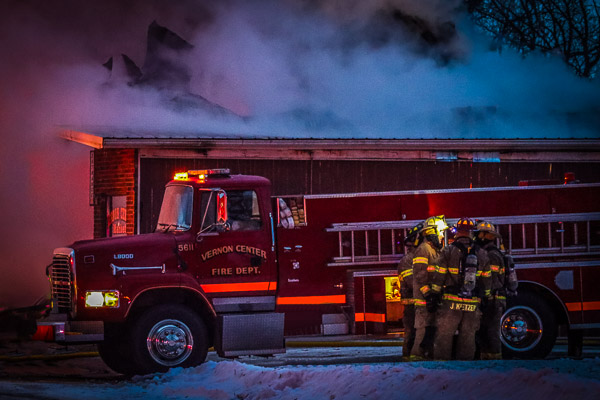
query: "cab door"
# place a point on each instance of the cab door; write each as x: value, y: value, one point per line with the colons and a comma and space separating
x: 235, y: 257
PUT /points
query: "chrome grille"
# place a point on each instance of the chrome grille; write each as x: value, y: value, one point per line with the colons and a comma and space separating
x: 61, y: 279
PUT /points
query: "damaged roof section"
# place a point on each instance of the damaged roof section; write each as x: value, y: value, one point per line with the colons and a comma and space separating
x: 164, y: 71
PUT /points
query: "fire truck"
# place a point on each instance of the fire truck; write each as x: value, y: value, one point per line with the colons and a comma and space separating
x: 233, y: 267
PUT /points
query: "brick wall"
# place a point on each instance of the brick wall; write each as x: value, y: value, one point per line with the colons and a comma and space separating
x: 115, y: 174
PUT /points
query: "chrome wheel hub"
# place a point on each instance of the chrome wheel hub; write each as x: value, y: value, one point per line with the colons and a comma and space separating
x: 520, y: 328
x: 170, y: 342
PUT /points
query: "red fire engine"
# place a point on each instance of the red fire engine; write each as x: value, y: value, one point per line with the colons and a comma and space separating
x: 230, y: 266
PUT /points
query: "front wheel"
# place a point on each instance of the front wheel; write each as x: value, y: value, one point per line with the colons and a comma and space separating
x: 168, y: 336
x: 528, y: 327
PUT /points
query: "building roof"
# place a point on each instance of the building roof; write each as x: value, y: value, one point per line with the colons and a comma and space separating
x: 188, y: 145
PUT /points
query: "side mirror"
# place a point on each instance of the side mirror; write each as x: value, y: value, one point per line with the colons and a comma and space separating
x: 216, y: 214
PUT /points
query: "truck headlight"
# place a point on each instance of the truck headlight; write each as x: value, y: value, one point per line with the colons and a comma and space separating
x: 102, y: 298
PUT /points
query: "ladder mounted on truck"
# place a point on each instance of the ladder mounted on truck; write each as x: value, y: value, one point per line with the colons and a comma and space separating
x: 524, y: 236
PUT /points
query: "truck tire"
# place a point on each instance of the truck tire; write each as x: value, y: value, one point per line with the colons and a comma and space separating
x: 168, y: 336
x: 115, y: 349
x: 528, y: 327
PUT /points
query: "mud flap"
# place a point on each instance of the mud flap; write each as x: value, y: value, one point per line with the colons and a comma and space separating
x: 250, y: 334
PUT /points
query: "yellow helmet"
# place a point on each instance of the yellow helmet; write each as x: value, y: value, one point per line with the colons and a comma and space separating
x: 434, y: 225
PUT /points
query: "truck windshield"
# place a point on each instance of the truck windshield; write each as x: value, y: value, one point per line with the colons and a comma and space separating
x: 176, y: 210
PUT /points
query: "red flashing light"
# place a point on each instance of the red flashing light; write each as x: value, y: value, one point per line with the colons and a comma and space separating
x: 569, y: 177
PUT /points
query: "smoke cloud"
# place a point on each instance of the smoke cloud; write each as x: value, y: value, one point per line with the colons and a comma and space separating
x: 295, y: 68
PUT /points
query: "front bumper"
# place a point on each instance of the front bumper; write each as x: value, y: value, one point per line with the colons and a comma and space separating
x: 56, y: 328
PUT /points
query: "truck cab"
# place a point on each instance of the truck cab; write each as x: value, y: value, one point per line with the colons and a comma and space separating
x: 206, y: 277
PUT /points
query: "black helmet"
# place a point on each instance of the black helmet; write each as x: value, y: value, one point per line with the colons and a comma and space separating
x: 413, y: 234
x: 464, y: 228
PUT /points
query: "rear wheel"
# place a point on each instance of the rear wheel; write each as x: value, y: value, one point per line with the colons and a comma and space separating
x: 528, y: 327
x: 168, y: 336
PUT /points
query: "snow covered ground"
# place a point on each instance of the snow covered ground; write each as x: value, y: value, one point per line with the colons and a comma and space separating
x: 282, y: 378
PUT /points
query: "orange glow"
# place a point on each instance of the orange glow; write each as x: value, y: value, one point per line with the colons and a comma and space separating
x: 336, y: 299
x: 239, y: 287
x: 369, y: 317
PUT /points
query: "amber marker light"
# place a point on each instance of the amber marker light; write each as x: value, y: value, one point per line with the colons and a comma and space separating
x: 181, y: 176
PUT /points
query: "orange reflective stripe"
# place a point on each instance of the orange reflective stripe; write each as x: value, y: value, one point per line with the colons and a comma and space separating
x: 406, y: 273
x: 369, y: 317
x: 238, y: 287
x: 585, y: 306
x: 495, y: 268
x: 591, y: 305
x: 420, y: 260
x: 335, y: 299
x: 419, y: 302
x: 432, y: 268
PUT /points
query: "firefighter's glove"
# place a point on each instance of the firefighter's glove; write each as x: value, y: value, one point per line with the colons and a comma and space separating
x: 432, y: 301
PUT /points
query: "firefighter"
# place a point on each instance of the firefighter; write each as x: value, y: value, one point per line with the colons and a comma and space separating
x: 405, y: 278
x: 489, y: 336
x: 463, y: 278
x: 432, y: 241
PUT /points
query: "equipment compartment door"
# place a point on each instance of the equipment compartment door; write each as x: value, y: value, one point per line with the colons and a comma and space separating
x: 369, y: 304
x: 590, y: 304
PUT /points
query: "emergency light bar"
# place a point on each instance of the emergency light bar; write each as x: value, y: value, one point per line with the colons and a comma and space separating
x: 200, y: 173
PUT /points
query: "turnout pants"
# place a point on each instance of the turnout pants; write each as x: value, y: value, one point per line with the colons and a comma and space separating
x: 489, y: 332
x: 408, y: 320
x: 424, y: 331
x: 451, y: 318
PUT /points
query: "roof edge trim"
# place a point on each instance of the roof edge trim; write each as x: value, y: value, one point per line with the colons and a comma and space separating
x: 554, y: 145
x: 87, y: 139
